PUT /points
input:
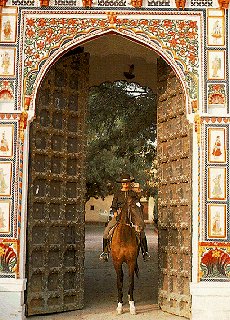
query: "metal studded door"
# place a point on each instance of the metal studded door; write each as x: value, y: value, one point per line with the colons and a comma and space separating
x: 55, y: 231
x: 174, y: 205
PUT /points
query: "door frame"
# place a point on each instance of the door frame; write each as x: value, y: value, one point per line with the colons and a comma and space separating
x: 32, y: 78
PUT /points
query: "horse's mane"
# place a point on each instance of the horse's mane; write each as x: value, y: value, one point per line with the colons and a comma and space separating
x: 127, y: 210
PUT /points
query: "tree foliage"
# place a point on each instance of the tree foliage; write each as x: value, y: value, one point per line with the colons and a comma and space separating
x: 121, y: 136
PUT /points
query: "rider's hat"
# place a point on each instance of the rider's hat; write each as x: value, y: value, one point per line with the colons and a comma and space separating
x: 126, y: 178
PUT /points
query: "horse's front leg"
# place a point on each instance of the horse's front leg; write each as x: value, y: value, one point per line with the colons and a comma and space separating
x: 120, y: 277
x: 131, y: 289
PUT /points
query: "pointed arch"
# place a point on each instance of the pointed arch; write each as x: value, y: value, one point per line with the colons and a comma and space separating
x: 153, y: 31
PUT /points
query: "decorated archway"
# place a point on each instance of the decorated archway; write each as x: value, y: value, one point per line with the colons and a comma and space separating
x: 47, y: 38
x: 193, y: 37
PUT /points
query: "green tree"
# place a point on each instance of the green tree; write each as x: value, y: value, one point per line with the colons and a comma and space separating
x: 121, y: 136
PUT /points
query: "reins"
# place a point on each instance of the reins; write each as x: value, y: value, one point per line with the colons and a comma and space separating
x: 126, y: 224
x: 127, y: 217
x: 129, y: 213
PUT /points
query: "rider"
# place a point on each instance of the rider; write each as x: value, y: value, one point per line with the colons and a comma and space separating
x: 118, y: 202
x: 144, y: 244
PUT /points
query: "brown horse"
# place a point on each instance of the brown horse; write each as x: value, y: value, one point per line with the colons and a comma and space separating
x: 124, y: 249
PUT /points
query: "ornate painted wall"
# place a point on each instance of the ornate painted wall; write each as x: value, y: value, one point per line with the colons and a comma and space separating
x: 194, y: 41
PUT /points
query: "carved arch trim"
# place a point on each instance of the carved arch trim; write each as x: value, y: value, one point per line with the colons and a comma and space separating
x: 49, y: 34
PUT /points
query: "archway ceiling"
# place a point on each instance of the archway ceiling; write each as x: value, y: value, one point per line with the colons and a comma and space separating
x: 111, y: 55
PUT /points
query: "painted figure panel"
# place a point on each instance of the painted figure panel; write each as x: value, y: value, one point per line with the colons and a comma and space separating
x: 6, y: 141
x: 217, y: 145
x: 217, y: 183
x: 217, y: 227
x: 216, y: 65
x: 216, y: 31
x: 8, y: 28
x: 5, y: 207
x: 5, y: 178
x: 7, y: 61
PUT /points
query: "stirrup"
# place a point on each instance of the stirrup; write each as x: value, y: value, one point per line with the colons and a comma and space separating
x: 104, y: 256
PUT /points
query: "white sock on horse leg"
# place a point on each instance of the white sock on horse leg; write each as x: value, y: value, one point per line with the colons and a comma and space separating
x: 132, y: 307
x: 119, y: 308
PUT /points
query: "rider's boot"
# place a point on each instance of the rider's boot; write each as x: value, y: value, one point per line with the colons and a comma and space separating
x: 104, y: 255
x: 144, y: 249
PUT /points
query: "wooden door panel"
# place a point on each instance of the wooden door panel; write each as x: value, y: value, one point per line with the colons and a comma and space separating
x: 55, y: 231
x: 174, y: 204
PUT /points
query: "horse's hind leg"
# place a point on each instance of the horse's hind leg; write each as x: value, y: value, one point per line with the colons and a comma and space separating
x: 120, y: 276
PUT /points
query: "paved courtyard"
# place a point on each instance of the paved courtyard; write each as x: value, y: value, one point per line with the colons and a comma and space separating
x: 100, y: 285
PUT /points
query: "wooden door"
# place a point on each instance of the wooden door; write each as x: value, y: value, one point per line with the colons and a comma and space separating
x: 175, y: 194
x: 55, y: 230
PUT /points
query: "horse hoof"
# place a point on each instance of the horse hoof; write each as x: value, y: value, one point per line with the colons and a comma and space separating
x: 132, y: 308
x: 119, y: 311
x: 119, y: 308
x: 133, y: 311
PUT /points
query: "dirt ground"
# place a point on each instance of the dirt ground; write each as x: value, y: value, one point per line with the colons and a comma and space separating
x: 100, y: 285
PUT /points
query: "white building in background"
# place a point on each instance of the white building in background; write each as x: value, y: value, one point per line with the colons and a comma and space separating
x: 97, y: 210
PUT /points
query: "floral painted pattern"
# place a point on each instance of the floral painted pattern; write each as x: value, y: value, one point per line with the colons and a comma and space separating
x: 215, y: 263
x: 178, y: 38
x: 6, y: 91
x: 216, y: 93
x: 8, y: 258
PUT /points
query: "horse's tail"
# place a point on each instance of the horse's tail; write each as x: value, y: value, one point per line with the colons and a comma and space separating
x: 136, y: 269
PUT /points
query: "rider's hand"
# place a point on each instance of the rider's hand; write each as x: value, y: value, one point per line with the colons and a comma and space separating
x: 138, y: 229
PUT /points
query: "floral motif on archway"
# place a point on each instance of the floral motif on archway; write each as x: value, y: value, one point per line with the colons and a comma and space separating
x: 178, y: 38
